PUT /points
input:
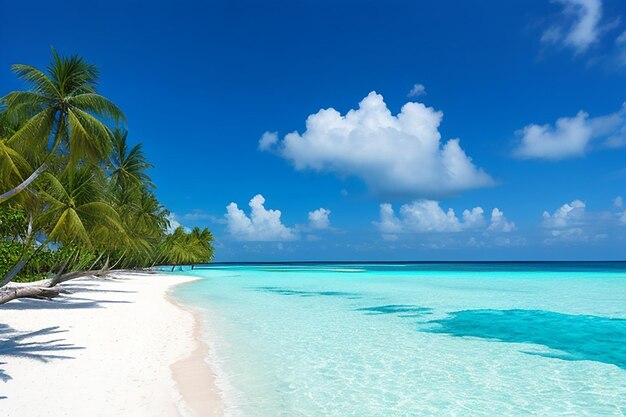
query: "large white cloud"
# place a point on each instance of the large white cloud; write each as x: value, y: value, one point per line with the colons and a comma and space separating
x: 261, y: 225
x: 319, y: 219
x: 580, y: 25
x: 394, y: 154
x: 427, y: 216
x: 571, y: 137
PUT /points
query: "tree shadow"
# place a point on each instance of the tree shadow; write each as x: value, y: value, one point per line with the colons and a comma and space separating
x: 40, y: 345
x: 69, y: 303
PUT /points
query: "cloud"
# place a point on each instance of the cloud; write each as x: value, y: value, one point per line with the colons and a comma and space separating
x: 566, y: 224
x: 571, y: 136
x: 268, y: 139
x: 174, y: 224
x: 319, y: 219
x: 622, y: 217
x: 579, y: 27
x: 567, y: 215
x: 261, y: 225
x: 417, y: 90
x: 427, y: 216
x: 618, y: 202
x: 499, y: 223
x: 196, y: 215
x: 394, y: 155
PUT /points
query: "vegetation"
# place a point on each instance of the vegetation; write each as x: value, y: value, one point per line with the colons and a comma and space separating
x: 75, y: 196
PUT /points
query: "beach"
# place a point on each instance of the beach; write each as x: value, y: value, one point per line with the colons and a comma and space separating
x: 114, y: 346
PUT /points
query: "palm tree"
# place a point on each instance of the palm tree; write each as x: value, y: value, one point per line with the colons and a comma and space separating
x: 74, y: 213
x: 128, y: 166
x: 75, y: 207
x: 62, y: 109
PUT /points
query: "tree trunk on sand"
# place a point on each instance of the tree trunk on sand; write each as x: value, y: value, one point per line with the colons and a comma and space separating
x: 24, y: 184
x: 40, y: 293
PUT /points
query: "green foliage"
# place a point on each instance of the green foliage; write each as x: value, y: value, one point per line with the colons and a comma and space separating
x: 94, y: 206
x: 13, y: 222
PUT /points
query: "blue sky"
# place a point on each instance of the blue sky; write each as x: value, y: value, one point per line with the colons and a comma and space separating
x: 534, y: 90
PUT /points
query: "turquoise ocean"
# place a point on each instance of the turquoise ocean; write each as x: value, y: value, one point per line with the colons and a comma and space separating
x: 415, y: 339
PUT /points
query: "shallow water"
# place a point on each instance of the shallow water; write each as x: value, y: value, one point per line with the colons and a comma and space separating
x: 387, y: 340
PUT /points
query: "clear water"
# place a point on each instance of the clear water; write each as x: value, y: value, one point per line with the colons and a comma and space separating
x: 416, y: 339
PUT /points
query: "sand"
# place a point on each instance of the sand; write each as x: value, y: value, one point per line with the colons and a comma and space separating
x: 118, y: 346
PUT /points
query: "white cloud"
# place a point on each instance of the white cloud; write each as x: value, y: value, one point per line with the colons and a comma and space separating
x: 427, y: 216
x: 394, y: 155
x: 622, y: 217
x: 580, y: 27
x: 499, y: 223
x: 196, y: 215
x: 565, y: 216
x: 571, y: 136
x: 618, y: 202
x: 261, y: 225
x: 174, y: 224
x: 319, y: 219
x: 268, y: 139
x: 473, y: 218
x: 417, y: 90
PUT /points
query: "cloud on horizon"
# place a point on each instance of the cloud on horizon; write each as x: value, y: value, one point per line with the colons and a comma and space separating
x: 263, y: 225
x: 427, y: 216
x: 393, y: 154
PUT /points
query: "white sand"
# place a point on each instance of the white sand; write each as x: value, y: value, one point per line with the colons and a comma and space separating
x: 111, y: 354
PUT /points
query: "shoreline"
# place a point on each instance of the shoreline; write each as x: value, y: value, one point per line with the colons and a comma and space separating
x: 195, y: 380
x: 119, y: 345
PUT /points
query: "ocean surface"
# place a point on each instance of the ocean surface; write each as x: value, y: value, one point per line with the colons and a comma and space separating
x: 430, y: 339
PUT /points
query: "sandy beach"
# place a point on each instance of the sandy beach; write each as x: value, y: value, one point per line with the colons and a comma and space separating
x: 115, y: 346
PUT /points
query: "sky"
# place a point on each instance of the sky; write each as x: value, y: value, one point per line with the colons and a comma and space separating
x: 364, y: 130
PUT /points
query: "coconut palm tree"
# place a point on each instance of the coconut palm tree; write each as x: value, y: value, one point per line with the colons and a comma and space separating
x: 128, y: 167
x: 74, y: 213
x: 62, y: 110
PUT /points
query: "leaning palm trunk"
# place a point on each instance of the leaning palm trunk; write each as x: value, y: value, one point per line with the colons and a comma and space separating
x: 119, y: 260
x: 96, y: 261
x: 41, y: 293
x: 24, y: 184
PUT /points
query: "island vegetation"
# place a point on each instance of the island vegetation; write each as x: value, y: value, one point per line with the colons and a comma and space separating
x: 76, y: 198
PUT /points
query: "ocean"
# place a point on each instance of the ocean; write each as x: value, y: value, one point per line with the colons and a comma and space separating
x: 415, y: 339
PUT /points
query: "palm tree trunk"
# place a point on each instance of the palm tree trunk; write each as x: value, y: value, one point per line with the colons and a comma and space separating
x: 24, y: 259
x: 120, y: 259
x: 12, y: 193
x: 96, y: 261
x: 28, y: 292
x: 24, y: 184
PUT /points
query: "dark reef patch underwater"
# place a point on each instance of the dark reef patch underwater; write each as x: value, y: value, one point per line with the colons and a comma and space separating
x: 577, y: 337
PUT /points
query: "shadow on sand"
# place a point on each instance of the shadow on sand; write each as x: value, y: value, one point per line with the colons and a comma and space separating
x: 41, y: 345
